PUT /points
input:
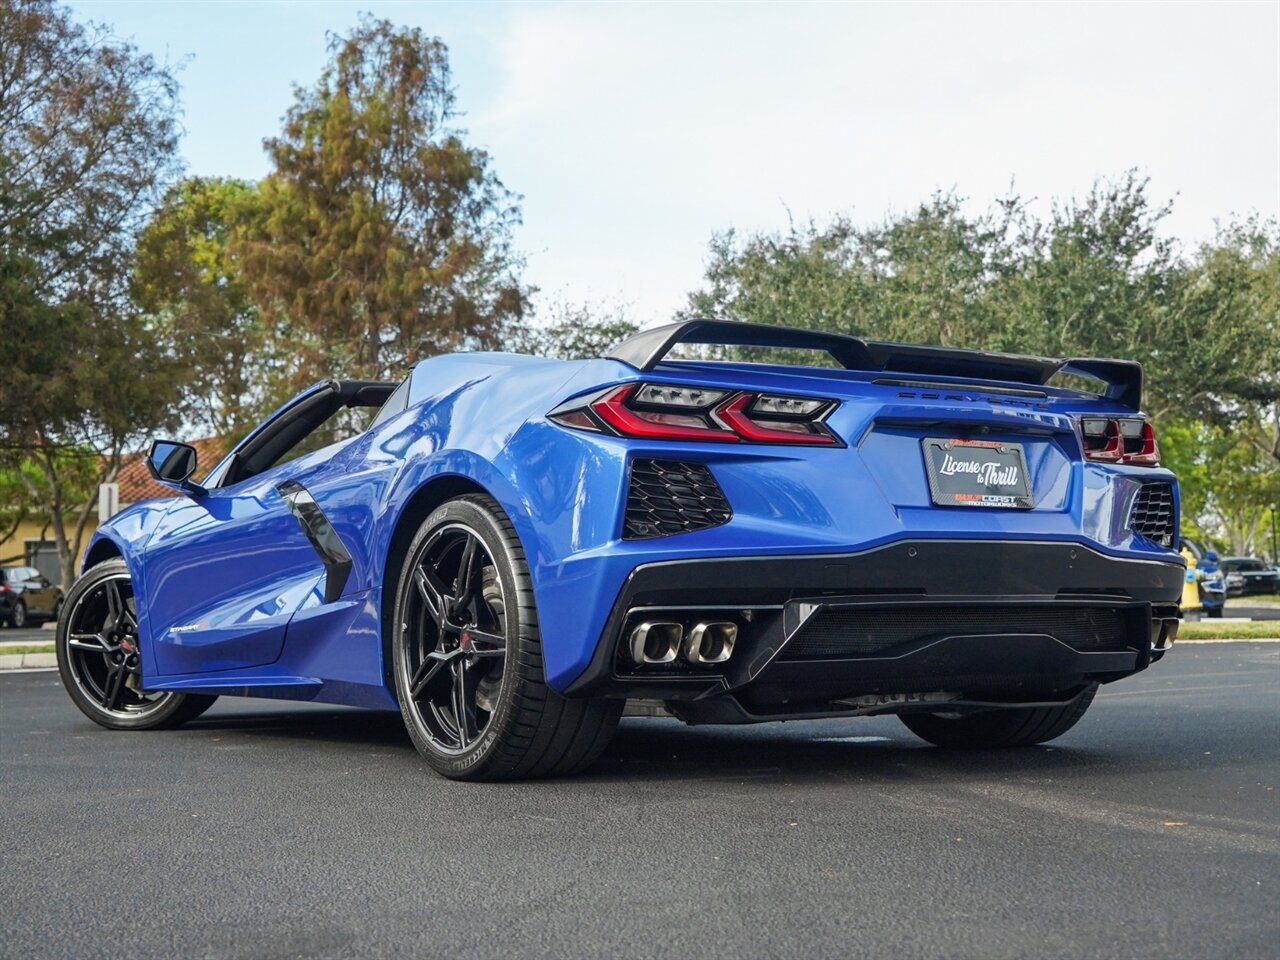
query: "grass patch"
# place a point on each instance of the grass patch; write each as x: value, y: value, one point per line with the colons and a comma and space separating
x: 28, y: 648
x: 1209, y: 630
x: 1254, y: 598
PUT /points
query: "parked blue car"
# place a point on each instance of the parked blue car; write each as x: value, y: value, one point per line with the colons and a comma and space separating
x: 515, y: 547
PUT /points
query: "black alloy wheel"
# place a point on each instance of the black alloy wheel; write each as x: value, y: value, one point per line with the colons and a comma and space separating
x: 458, y: 621
x: 100, y: 661
x: 466, y: 656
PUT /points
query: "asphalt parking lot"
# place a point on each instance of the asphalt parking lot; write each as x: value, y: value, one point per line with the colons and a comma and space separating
x: 271, y: 830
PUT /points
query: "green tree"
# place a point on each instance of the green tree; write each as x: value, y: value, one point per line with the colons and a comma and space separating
x: 1094, y: 277
x: 87, y: 135
x: 187, y: 278
x: 385, y: 237
x: 574, y: 332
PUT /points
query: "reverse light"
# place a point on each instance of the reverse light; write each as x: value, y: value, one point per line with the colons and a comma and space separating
x: 1127, y: 440
x: 664, y: 394
x: 786, y: 406
x: 659, y: 411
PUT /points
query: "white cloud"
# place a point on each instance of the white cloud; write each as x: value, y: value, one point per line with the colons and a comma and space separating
x: 636, y: 130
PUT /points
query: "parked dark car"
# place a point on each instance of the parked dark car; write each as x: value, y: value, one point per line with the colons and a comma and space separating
x: 25, y: 595
x: 1249, y: 575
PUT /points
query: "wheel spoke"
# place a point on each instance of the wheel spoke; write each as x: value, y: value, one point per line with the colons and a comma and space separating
x: 427, y: 671
x: 468, y: 577
x: 485, y: 644
x: 130, y: 616
x: 433, y: 594
x: 463, y: 711
x: 113, y: 687
x: 92, y: 642
x: 115, y: 605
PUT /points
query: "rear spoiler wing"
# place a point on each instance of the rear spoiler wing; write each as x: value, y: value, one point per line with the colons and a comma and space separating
x: 1123, y: 378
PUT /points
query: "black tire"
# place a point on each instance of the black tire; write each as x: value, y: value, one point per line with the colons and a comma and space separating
x: 997, y: 729
x: 18, y: 616
x: 482, y: 648
x: 98, y: 659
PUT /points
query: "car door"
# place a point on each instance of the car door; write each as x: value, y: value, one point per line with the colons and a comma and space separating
x: 224, y: 573
x: 37, y: 592
x: 227, y: 566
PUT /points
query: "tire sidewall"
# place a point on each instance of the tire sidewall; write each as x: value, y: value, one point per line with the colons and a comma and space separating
x: 513, y: 575
x: 18, y: 619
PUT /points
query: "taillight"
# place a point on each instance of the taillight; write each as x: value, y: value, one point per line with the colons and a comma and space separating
x: 659, y: 411
x: 1120, y: 440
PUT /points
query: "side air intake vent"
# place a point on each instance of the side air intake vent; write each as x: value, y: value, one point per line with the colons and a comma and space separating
x: 668, y: 496
x: 1152, y: 513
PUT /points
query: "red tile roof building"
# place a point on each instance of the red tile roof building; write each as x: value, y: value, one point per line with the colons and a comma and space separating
x: 136, y: 482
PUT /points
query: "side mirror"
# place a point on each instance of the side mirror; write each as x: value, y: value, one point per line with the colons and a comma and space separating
x: 173, y: 464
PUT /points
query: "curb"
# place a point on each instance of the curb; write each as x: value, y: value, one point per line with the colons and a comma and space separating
x: 1179, y: 642
x: 25, y: 661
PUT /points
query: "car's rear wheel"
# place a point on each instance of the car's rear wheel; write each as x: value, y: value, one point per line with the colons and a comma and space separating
x: 18, y: 618
x: 993, y: 729
x: 467, y: 656
x: 99, y: 660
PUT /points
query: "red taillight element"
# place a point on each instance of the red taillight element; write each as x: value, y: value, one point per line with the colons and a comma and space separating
x: 668, y: 412
x: 736, y: 414
x: 1120, y: 440
x: 1147, y: 453
x: 656, y: 424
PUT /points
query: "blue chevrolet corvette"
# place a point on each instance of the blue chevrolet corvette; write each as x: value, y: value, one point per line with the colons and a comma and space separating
x: 515, y: 548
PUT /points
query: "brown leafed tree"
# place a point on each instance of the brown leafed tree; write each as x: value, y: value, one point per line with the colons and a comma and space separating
x: 385, y: 236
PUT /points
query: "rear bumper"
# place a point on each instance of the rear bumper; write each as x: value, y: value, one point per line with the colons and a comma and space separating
x: 1021, y: 621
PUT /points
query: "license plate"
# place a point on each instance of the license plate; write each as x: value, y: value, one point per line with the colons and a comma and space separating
x: 977, y: 473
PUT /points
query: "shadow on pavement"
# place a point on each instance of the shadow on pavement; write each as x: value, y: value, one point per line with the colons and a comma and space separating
x: 655, y: 750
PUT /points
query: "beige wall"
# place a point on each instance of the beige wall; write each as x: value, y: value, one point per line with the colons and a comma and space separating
x: 13, y: 550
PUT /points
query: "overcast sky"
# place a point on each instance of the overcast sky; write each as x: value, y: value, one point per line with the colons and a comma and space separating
x: 636, y: 131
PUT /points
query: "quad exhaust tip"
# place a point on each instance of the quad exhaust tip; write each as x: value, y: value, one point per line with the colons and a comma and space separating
x: 656, y: 642
x: 711, y: 642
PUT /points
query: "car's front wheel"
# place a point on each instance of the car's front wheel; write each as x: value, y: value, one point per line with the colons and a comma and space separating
x: 99, y: 660
x: 992, y: 729
x: 467, y: 656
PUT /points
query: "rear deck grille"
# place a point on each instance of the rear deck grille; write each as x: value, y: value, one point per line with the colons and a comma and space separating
x: 669, y: 496
x: 1152, y: 513
x: 870, y: 632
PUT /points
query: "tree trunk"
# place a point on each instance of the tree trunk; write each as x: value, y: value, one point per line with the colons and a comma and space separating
x: 107, y: 474
x: 53, y: 502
